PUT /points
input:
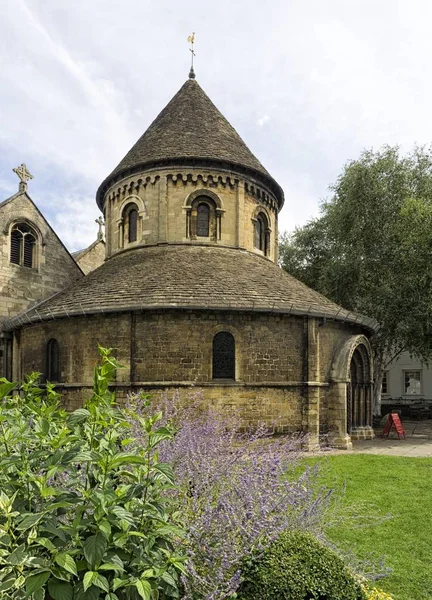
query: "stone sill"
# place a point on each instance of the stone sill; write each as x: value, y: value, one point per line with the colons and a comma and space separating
x: 194, y: 384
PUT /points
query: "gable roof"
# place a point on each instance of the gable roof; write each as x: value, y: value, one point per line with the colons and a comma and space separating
x: 190, y: 128
x: 78, y: 254
x: 33, y: 204
x: 187, y: 277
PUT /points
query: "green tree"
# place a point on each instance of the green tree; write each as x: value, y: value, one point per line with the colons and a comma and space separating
x: 370, y: 250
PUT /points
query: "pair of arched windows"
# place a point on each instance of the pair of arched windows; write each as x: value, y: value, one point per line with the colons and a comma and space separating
x: 262, y: 234
x: 223, y: 358
x: 23, y: 246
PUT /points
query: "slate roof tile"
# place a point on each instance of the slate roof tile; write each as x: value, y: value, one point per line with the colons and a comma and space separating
x: 189, y: 127
x: 183, y: 276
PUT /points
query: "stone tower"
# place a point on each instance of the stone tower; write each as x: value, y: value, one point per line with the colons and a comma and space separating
x: 190, y: 179
x: 191, y: 294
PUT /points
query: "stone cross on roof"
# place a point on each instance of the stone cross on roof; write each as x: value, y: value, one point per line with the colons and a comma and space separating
x: 101, y: 223
x: 24, y: 175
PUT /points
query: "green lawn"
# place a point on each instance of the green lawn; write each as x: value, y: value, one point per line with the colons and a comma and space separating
x: 378, y: 485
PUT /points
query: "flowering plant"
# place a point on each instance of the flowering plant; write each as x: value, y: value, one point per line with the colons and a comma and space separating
x: 236, y: 491
x: 81, y: 515
x: 376, y: 594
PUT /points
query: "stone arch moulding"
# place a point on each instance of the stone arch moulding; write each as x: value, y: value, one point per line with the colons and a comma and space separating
x: 204, y: 192
x: 19, y: 252
x: 216, y: 212
x: 346, y: 423
x: 264, y: 244
x: 134, y: 199
x: 236, y: 333
x: 340, y: 371
x: 262, y: 209
x: 16, y: 220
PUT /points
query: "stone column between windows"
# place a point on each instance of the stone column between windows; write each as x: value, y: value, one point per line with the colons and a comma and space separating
x: 311, y: 369
x: 162, y: 194
x: 240, y: 215
x: 16, y: 357
x: 108, y: 227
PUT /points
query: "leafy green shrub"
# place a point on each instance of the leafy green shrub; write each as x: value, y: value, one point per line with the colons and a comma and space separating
x: 298, y: 567
x: 85, y: 510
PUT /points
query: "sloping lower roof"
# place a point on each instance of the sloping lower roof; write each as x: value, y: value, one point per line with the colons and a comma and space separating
x: 190, y: 127
x: 187, y: 277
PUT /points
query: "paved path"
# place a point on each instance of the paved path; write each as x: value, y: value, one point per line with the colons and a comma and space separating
x: 418, y: 441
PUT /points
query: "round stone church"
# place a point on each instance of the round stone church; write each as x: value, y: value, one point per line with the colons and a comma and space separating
x: 190, y: 292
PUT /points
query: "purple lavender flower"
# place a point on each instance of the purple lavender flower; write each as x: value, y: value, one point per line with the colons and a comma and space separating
x: 237, y: 491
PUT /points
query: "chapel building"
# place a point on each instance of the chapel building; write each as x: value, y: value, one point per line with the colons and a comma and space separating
x: 190, y: 291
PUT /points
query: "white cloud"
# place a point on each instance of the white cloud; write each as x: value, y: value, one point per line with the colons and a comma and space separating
x: 263, y: 120
x: 74, y: 220
x: 82, y: 81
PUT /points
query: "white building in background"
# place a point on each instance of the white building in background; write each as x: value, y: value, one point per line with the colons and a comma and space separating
x: 407, y: 382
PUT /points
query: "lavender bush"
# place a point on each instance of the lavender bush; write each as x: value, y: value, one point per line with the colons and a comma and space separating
x: 237, y: 491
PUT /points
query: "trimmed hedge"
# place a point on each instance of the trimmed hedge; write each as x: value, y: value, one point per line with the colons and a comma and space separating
x: 298, y: 567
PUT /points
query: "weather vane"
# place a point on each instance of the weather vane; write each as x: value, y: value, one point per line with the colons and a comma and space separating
x: 24, y: 175
x: 191, y: 40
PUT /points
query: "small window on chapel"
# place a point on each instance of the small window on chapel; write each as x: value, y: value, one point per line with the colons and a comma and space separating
x: 130, y: 223
x: 53, y: 361
x: 203, y: 220
x: 133, y: 222
x: 262, y: 234
x: 23, y: 246
x: 223, y: 356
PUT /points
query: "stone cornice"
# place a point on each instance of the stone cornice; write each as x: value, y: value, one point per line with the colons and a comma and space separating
x: 233, y: 170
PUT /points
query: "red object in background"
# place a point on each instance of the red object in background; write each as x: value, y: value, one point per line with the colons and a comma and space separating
x: 393, y: 419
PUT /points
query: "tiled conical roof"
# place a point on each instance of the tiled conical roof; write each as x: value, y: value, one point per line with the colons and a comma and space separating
x: 187, y: 277
x: 190, y: 128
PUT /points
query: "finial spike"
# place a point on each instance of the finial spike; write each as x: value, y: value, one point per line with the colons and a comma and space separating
x: 191, y: 40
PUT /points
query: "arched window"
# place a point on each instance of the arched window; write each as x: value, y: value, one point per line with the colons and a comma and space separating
x: 53, y: 361
x: 133, y: 223
x: 130, y: 223
x: 203, y: 220
x: 23, y: 246
x: 262, y: 233
x: 223, y: 356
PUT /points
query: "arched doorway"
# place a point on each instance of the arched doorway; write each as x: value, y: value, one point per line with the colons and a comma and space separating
x: 359, y: 392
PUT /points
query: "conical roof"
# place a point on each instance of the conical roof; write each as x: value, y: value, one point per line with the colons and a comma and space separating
x: 187, y: 278
x: 190, y: 128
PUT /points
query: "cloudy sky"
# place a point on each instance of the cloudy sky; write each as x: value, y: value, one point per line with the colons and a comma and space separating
x: 307, y: 83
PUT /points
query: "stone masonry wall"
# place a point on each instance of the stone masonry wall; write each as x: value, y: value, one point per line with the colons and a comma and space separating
x: 178, y: 346
x: 21, y: 287
x: 92, y: 257
x: 282, y: 361
x: 161, y: 198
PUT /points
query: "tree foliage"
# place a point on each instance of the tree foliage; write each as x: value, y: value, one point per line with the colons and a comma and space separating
x: 370, y: 249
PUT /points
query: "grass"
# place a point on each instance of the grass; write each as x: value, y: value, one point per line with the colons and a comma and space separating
x: 377, y: 486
